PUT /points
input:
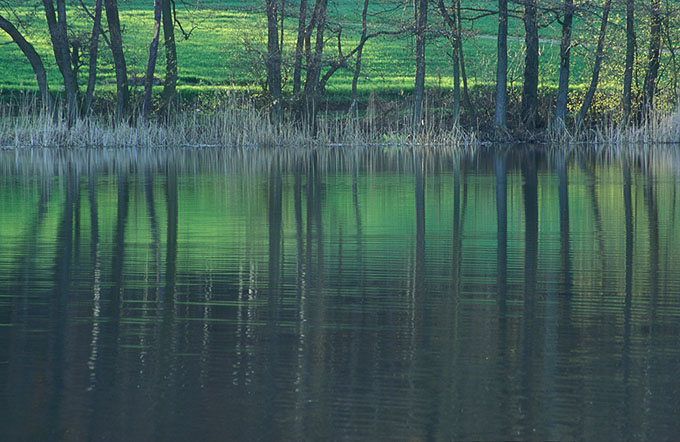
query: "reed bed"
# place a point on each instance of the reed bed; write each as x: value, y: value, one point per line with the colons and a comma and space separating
x: 240, y: 122
x: 657, y: 129
x: 237, y: 123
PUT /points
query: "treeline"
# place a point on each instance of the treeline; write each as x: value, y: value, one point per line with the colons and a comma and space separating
x: 296, y: 82
x: 70, y: 50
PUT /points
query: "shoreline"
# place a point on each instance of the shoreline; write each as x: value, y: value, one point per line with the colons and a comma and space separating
x: 243, y: 122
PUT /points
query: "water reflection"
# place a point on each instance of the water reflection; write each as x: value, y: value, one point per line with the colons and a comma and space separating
x: 331, y: 294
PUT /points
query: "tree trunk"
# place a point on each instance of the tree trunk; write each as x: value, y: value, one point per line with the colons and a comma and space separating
x: 122, y: 92
x: 530, y: 86
x: 461, y: 59
x: 500, y: 118
x: 559, y: 123
x: 674, y: 59
x: 455, y: 60
x: 450, y: 20
x: 297, y: 64
x: 283, y: 18
x: 273, y: 60
x: 61, y: 48
x: 419, y: 88
x: 599, y: 54
x: 309, y: 106
x: 153, y: 54
x: 32, y: 56
x: 649, y: 87
x: 357, y: 65
x: 630, y: 58
x: 170, y: 83
x: 94, y: 49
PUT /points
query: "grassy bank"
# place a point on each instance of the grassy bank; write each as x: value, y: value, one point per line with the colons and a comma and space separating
x: 228, y: 39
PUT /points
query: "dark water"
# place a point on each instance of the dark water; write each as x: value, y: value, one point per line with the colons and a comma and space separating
x: 339, y: 295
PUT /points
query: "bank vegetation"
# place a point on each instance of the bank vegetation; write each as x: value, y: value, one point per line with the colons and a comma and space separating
x: 622, y: 53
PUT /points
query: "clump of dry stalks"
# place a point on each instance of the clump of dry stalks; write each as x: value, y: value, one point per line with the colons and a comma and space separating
x: 236, y: 123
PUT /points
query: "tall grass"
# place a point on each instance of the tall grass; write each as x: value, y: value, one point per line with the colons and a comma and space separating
x: 234, y: 123
x: 656, y: 129
x: 240, y: 121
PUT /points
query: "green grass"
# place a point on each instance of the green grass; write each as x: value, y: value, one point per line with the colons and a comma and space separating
x: 228, y: 39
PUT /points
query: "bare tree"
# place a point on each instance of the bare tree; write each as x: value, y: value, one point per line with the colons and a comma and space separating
x: 274, y: 58
x: 153, y: 54
x: 32, y: 56
x: 599, y: 55
x: 357, y: 65
x: 333, y: 64
x: 93, y: 53
x: 122, y: 92
x: 559, y: 122
x: 56, y: 23
x: 309, y: 100
x: 461, y: 59
x: 170, y: 83
x: 668, y: 34
x: 630, y: 58
x: 312, y: 62
x: 530, y: 86
x: 500, y: 117
x: 299, y: 46
x: 341, y: 61
x: 451, y: 20
x: 419, y: 88
x: 653, y: 59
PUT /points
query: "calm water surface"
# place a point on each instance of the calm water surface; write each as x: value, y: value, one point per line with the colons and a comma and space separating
x: 338, y: 295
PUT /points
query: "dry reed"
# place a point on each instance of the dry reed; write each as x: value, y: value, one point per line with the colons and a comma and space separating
x: 237, y: 123
x: 656, y: 129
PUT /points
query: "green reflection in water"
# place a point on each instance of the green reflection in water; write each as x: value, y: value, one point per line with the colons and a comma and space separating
x: 326, y: 294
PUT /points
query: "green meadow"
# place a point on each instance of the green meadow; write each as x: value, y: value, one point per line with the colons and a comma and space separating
x: 226, y: 45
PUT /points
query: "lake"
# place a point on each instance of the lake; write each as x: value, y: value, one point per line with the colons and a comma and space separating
x: 339, y: 294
